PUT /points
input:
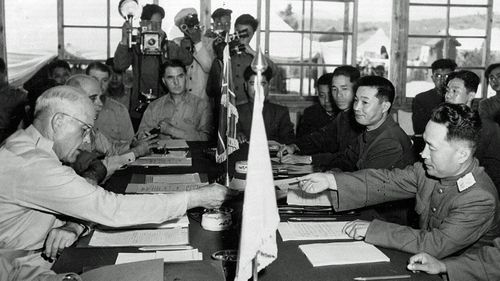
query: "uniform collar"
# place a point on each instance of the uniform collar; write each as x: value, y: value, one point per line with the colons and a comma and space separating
x: 452, y: 181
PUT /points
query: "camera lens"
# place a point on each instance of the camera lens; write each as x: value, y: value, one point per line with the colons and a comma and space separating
x: 151, y: 42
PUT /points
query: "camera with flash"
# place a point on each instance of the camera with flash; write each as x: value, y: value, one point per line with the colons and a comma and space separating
x: 149, y: 36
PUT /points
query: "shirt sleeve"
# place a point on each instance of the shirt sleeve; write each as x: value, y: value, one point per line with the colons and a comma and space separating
x: 148, y: 121
x: 322, y: 140
x: 469, y: 218
x: 385, y: 154
x: 286, y: 133
x: 475, y: 264
x: 60, y: 190
x: 202, y: 56
x: 123, y: 57
x: 174, y: 51
x: 417, y: 117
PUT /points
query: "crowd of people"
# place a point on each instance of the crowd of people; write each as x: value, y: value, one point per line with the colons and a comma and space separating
x: 434, y: 194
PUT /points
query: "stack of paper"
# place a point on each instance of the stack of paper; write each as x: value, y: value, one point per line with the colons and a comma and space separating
x: 167, y: 256
x: 148, y: 237
x: 165, y: 183
x: 312, y: 230
x: 176, y: 155
x: 336, y: 253
x: 173, y: 144
x: 301, y: 198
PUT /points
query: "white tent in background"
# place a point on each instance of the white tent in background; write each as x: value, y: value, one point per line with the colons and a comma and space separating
x: 371, y: 47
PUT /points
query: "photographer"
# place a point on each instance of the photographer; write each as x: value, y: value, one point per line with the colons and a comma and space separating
x: 241, y: 57
x: 146, y: 68
x: 197, y: 73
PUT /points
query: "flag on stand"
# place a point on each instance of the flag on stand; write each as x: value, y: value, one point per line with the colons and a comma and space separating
x: 228, y: 115
x: 260, y: 216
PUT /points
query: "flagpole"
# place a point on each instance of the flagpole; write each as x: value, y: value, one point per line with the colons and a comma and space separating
x: 226, y: 176
x: 254, y: 267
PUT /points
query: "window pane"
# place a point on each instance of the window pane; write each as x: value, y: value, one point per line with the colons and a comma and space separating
x: 468, y: 21
x: 423, y: 51
x: 90, y: 12
x: 470, y: 52
x: 427, y: 20
x: 115, y: 37
x: 329, y: 16
x: 470, y: 2
x: 429, y: 1
x: 418, y: 80
x: 85, y: 43
x: 331, y: 52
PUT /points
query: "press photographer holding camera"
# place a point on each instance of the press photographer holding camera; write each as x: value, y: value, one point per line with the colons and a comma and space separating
x: 200, y: 47
x: 146, y: 57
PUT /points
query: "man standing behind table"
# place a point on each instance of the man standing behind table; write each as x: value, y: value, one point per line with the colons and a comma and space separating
x: 179, y: 114
x: 199, y: 46
x: 146, y: 68
x: 322, y: 112
x: 456, y: 200
x: 490, y: 108
x: 425, y: 102
x: 276, y: 117
x: 37, y: 188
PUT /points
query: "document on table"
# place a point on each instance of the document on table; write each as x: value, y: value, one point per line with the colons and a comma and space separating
x: 162, y: 161
x: 148, y: 237
x: 162, y: 187
x: 150, y: 270
x: 167, y: 256
x: 174, y: 178
x: 173, y: 223
x: 337, y: 253
x: 301, y: 198
x: 312, y: 230
x: 173, y: 144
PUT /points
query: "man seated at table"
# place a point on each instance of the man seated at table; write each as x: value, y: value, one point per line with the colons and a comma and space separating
x: 116, y: 153
x: 461, y: 89
x: 322, y: 112
x: 178, y: 114
x: 276, y: 117
x: 476, y: 264
x: 318, y: 147
x: 383, y: 144
x: 113, y: 120
x: 456, y: 200
x: 37, y: 189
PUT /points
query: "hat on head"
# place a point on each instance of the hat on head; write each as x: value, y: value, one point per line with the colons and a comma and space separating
x: 181, y: 15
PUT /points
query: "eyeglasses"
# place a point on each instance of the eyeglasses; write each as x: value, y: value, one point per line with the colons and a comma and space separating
x: 87, y: 129
x: 440, y: 76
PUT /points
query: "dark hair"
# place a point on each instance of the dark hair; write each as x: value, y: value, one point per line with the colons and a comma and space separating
x: 150, y: 9
x: 247, y: 19
x: 490, y: 68
x: 249, y: 73
x: 98, y: 66
x: 385, y: 89
x: 171, y: 63
x: 471, y: 80
x: 58, y: 64
x: 463, y: 123
x: 443, y: 64
x: 348, y: 71
x: 3, y: 67
x: 325, y: 79
x: 220, y: 12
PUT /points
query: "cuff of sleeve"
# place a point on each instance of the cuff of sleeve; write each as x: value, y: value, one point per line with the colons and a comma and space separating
x: 332, y: 183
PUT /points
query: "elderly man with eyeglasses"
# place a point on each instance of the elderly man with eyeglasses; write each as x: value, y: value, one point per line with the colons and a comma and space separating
x: 490, y: 108
x: 425, y: 102
x: 42, y: 200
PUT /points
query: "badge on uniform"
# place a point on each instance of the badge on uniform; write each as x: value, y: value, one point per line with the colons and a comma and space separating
x: 465, y: 182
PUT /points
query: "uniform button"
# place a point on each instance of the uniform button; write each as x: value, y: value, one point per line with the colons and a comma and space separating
x: 238, y: 64
x: 440, y: 190
x: 434, y: 210
x: 237, y: 76
x: 190, y: 90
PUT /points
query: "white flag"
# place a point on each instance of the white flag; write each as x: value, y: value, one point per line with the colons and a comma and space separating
x: 260, y: 216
